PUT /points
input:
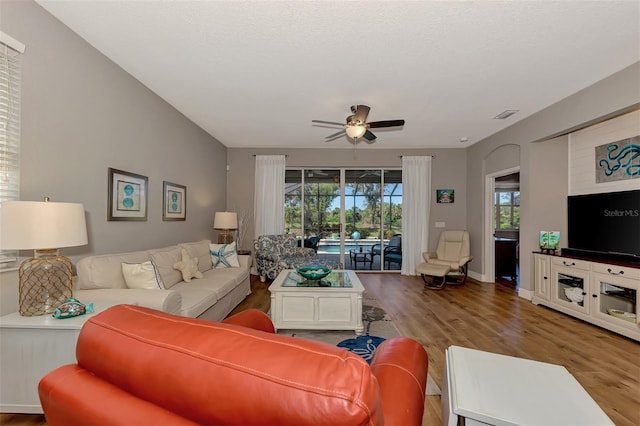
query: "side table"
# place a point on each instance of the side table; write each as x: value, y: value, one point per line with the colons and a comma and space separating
x: 492, y: 389
x: 360, y: 256
x: 30, y: 347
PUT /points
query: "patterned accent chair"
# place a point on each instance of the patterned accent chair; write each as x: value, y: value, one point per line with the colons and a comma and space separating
x: 274, y: 253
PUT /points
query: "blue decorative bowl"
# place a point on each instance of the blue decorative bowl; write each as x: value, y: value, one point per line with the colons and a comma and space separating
x: 314, y: 272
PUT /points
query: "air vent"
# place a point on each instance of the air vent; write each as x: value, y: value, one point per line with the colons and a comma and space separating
x: 505, y: 114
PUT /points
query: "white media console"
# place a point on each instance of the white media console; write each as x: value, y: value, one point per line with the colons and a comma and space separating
x: 605, y: 294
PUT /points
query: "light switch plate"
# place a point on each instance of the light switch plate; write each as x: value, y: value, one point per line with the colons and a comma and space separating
x: 440, y: 224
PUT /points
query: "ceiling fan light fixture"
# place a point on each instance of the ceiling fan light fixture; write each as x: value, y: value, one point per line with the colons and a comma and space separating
x: 355, y: 131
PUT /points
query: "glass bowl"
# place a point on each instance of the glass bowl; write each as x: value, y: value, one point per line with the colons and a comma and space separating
x: 314, y: 272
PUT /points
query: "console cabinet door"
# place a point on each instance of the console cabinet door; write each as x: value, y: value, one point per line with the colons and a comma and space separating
x: 615, y: 295
x: 542, y: 273
x: 570, y: 283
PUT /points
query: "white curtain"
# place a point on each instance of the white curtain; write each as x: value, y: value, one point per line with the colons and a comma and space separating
x: 268, y: 199
x: 416, y: 200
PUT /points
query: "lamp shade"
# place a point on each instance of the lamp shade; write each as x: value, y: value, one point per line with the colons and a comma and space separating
x: 27, y: 225
x: 225, y: 220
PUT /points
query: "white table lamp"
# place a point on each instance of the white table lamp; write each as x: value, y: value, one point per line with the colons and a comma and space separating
x: 225, y: 221
x: 43, y: 226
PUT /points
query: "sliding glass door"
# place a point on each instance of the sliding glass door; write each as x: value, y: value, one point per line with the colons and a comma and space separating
x: 345, y: 214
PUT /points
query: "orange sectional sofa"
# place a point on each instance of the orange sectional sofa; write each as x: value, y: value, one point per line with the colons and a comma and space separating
x: 136, y: 365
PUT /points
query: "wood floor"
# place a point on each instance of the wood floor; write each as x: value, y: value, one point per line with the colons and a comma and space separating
x: 492, y: 318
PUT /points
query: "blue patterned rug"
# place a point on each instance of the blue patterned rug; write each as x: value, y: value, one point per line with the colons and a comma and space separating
x: 364, y: 346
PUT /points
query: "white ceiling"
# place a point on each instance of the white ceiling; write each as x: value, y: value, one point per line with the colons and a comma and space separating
x: 255, y: 73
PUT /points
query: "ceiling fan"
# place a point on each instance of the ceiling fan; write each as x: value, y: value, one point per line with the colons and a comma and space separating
x: 356, y: 126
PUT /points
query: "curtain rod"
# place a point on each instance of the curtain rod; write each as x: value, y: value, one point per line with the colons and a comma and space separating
x: 432, y: 156
x: 255, y: 155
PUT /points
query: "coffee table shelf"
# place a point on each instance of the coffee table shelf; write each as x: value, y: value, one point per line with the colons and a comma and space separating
x: 318, y: 308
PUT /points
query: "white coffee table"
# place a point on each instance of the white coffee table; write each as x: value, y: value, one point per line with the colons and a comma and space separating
x: 30, y: 347
x: 487, y: 388
x: 338, y: 307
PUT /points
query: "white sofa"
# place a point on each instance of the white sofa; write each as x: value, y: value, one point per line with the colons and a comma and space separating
x: 100, y: 279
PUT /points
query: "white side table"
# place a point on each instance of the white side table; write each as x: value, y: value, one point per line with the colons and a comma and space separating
x: 30, y: 347
x: 486, y: 388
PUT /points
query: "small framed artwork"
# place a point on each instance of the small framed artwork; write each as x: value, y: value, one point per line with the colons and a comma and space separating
x: 174, y: 201
x: 445, y: 196
x: 549, y: 241
x: 128, y: 196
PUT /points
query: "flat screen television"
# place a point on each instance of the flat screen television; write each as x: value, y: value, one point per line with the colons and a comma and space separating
x: 605, y: 224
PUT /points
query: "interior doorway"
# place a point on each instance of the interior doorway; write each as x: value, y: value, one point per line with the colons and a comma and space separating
x: 502, y: 227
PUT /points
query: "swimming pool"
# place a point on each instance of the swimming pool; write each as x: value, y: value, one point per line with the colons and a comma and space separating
x: 335, y: 248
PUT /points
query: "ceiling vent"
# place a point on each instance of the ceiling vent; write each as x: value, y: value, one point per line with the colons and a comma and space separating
x: 505, y: 114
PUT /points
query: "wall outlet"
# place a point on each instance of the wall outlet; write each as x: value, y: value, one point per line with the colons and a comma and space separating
x: 440, y: 224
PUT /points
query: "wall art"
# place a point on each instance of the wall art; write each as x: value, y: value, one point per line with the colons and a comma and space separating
x: 174, y: 201
x: 618, y: 160
x: 128, y: 196
x: 445, y: 196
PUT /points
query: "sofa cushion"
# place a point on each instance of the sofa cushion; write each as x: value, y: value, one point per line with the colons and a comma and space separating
x: 164, y: 259
x: 195, y: 300
x: 224, y: 255
x: 105, y: 271
x: 223, y: 280
x: 199, y: 250
x: 142, y: 275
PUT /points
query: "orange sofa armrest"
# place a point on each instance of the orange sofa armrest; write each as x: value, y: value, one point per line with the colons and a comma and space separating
x: 69, y: 393
x: 252, y: 318
x: 400, y: 364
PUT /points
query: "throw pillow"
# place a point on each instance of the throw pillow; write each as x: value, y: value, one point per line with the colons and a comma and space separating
x: 142, y: 275
x: 188, y: 266
x: 224, y: 255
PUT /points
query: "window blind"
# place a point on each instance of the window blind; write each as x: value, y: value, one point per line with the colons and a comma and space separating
x: 10, y: 74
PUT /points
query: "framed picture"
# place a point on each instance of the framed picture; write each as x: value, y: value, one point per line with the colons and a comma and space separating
x: 444, y: 195
x: 128, y: 196
x: 174, y: 201
x: 549, y: 240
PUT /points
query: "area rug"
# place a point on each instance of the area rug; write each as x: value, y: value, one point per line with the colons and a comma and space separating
x: 377, y: 327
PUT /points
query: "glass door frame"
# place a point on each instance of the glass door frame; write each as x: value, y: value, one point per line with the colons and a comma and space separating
x: 343, y: 171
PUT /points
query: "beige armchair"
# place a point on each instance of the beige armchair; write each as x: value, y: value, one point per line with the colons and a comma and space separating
x: 453, y: 250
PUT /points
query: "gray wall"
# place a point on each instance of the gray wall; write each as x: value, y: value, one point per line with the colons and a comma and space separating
x: 82, y: 114
x: 448, y: 171
x: 543, y: 174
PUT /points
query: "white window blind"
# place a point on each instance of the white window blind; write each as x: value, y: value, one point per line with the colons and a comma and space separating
x: 10, y: 73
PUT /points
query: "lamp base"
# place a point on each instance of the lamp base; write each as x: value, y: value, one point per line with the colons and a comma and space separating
x: 225, y: 237
x: 44, y: 284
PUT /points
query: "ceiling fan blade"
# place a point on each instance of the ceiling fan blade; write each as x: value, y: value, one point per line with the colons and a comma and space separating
x: 327, y: 122
x: 335, y: 135
x: 386, y: 123
x: 369, y: 137
x: 361, y: 112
